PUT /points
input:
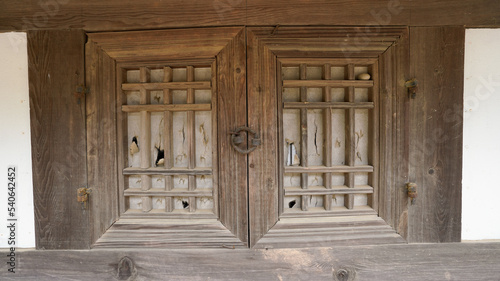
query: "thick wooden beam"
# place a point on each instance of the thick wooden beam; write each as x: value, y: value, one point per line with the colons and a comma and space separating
x: 116, y: 15
x: 56, y: 67
x: 94, y: 15
x: 437, y: 62
x: 454, y: 261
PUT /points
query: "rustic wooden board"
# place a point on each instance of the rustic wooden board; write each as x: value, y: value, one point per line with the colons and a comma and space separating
x: 379, y: 12
x: 436, y: 133
x: 168, y: 233
x: 232, y: 107
x: 101, y: 140
x: 56, y: 67
x: 327, y: 231
x: 262, y: 117
x: 96, y: 15
x: 454, y: 261
x: 394, y: 69
x: 127, y: 15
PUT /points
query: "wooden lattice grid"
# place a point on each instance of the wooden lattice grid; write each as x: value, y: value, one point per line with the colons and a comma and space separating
x: 331, y: 118
x: 169, y: 109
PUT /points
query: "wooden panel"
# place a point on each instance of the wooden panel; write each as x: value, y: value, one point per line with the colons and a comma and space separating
x: 56, y: 67
x: 328, y: 232
x: 96, y: 15
x: 436, y: 139
x: 232, y: 106
x: 101, y: 140
x: 262, y: 117
x: 396, y: 262
x: 171, y: 233
x: 150, y: 45
x: 394, y: 154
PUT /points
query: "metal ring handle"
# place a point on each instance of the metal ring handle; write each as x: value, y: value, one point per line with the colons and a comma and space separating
x: 236, y: 139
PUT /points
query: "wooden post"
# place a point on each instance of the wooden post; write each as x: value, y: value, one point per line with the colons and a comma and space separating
x: 145, y: 140
x: 350, y: 142
x: 167, y: 136
x: 303, y: 133
x: 327, y: 97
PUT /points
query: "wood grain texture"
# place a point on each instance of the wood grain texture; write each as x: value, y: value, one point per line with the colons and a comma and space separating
x: 117, y: 15
x: 232, y: 107
x: 96, y: 15
x: 378, y: 12
x: 294, y: 43
x: 262, y: 117
x: 150, y: 46
x: 168, y: 233
x: 394, y: 134
x: 102, y: 148
x: 57, y: 118
x: 450, y: 261
x: 436, y: 133
x: 329, y: 231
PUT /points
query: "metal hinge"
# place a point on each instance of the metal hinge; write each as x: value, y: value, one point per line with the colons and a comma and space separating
x: 411, y: 189
x: 80, y: 92
x: 83, y: 196
x: 412, y: 86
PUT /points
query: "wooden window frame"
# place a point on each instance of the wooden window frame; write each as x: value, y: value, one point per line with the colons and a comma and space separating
x: 107, y: 51
x: 390, y: 47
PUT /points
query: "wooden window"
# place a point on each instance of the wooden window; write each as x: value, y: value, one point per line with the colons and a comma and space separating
x: 163, y: 108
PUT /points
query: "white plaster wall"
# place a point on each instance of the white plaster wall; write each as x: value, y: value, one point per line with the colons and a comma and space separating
x: 15, y: 142
x: 481, y: 147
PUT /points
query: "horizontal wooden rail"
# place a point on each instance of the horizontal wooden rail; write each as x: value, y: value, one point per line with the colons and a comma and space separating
x: 314, y: 190
x: 167, y: 172
x: 333, y: 169
x: 167, y: 107
x: 169, y: 85
x: 328, y: 83
x: 333, y: 105
x: 171, y: 193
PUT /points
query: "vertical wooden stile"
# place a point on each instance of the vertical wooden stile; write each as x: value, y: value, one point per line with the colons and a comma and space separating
x: 145, y: 140
x: 167, y: 136
x: 122, y: 155
x: 327, y: 97
x: 215, y: 152
x: 374, y: 139
x: 303, y: 133
x: 350, y: 142
x: 191, y: 139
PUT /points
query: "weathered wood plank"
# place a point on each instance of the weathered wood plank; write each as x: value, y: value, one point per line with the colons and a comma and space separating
x: 95, y: 15
x: 168, y: 141
x: 101, y: 140
x: 327, y: 158
x: 57, y: 118
x: 350, y: 137
x: 262, y: 117
x: 436, y: 139
x: 394, y: 135
x: 232, y: 106
x: 162, y: 171
x: 166, y: 85
x: 373, y: 13
x: 290, y: 191
x: 328, y: 105
x: 330, y: 83
x: 478, y: 261
x: 126, y: 15
x: 171, y: 233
